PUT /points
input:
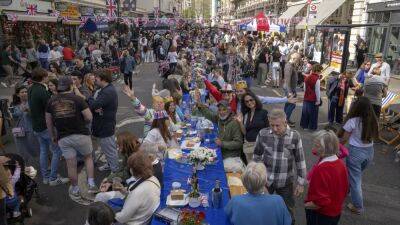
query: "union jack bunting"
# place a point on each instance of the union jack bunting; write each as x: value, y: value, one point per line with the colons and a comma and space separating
x: 13, y: 17
x: 136, y: 21
x: 55, y: 13
x: 111, y: 8
x: 83, y: 21
x: 31, y: 9
x: 145, y: 20
x: 127, y: 21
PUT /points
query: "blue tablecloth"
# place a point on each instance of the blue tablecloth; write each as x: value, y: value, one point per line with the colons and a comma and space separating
x: 180, y: 172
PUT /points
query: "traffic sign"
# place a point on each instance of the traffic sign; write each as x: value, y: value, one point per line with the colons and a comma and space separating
x: 313, y: 8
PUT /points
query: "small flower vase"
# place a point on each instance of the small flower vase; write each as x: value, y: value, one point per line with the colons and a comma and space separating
x: 194, y: 202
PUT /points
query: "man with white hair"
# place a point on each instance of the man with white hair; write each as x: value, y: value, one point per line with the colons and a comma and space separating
x: 279, y: 147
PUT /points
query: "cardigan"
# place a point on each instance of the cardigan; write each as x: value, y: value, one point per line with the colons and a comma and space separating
x: 260, y: 121
x: 328, y: 187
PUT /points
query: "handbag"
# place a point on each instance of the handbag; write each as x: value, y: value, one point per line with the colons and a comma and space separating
x: 18, y: 132
x: 248, y: 147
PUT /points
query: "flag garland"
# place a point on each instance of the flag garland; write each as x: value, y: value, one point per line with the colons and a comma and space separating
x: 12, y: 17
x: 111, y: 9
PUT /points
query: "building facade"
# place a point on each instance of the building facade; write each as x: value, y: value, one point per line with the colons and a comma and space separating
x: 250, y: 8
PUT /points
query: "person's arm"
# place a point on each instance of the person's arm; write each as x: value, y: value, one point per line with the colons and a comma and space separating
x: 131, y: 205
x: 318, y: 92
x: 50, y: 126
x: 237, y: 138
x: 5, y: 184
x: 300, y: 162
x: 213, y: 90
x: 206, y: 112
x: 347, y: 130
x: 87, y: 115
x: 78, y: 93
x: 272, y: 100
x: 101, y: 101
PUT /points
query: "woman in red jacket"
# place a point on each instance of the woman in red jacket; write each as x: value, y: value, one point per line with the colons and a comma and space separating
x: 329, y: 183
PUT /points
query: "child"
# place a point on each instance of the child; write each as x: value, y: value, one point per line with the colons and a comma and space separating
x: 343, y: 152
x: 13, y: 202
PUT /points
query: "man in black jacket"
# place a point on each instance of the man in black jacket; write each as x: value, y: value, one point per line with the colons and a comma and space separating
x: 104, y: 105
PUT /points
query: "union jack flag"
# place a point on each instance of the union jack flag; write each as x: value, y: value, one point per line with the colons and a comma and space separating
x: 127, y: 21
x: 112, y: 8
x: 31, y: 9
x: 83, y: 21
x: 65, y: 18
x: 55, y: 13
x: 13, y: 17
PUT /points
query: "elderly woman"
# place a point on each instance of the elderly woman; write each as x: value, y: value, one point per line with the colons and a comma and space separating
x: 257, y: 207
x: 144, y: 192
x: 329, y: 183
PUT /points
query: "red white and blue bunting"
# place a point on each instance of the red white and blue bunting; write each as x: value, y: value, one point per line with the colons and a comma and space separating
x: 31, y: 9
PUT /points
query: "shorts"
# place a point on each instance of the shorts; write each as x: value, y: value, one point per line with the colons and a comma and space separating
x: 75, y: 143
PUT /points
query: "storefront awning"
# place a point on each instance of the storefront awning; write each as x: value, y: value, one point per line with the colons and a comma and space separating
x: 292, y: 11
x: 37, y: 18
x: 324, y: 10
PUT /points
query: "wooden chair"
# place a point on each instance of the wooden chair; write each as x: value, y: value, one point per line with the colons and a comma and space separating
x: 390, y: 119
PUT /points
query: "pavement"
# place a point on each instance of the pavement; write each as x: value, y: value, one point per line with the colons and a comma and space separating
x: 381, y: 180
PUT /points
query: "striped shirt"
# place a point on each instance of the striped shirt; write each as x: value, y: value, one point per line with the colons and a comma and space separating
x: 279, y: 153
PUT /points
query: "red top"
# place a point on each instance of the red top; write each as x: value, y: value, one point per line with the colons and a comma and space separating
x: 310, y: 82
x: 68, y: 53
x: 328, y: 187
x: 218, y: 95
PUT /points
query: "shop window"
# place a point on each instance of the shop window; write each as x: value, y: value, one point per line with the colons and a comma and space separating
x: 386, y: 17
x: 377, y: 39
x: 371, y: 17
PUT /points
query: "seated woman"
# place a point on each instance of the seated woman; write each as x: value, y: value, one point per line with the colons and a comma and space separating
x: 257, y: 206
x: 174, y: 119
x: 159, y: 134
x: 127, y: 144
x: 100, y: 214
x: 143, y: 195
x: 329, y: 183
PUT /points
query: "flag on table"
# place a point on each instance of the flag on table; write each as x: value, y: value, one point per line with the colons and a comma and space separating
x: 31, y: 9
x: 111, y: 8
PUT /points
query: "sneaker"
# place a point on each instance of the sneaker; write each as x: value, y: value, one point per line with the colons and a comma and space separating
x: 353, y: 209
x: 46, y: 181
x: 58, y: 181
x: 16, y: 214
x: 104, y: 167
x: 93, y: 189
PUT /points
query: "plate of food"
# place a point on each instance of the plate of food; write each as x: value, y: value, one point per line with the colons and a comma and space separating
x: 191, y: 143
x: 174, y: 153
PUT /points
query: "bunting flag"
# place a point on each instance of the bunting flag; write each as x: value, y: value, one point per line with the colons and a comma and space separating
x: 12, y: 17
x: 31, y: 9
x: 136, y: 21
x: 145, y: 20
x: 83, y: 21
x: 55, y: 13
x: 127, y: 21
x: 111, y: 8
x: 156, y: 12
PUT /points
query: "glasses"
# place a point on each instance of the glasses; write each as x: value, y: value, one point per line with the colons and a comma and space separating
x: 249, y: 100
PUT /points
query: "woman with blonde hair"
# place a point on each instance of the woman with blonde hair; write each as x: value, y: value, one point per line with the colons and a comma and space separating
x: 89, y: 82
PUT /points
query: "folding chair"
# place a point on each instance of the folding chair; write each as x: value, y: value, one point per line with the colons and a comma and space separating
x: 389, y: 100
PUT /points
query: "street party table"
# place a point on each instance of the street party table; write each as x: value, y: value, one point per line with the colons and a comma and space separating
x: 180, y: 172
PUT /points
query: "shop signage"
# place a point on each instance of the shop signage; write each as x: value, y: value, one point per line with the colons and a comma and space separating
x: 68, y: 10
x: 87, y: 11
x: 384, y: 6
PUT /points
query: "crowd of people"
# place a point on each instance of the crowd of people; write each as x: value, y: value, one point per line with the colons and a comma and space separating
x: 68, y: 104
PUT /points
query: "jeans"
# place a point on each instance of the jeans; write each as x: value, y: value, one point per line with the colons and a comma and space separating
x: 289, y: 108
x: 45, y: 143
x: 287, y: 193
x: 356, y: 162
x: 262, y: 73
x: 128, y: 79
x: 315, y: 218
x: 309, y: 116
x: 109, y: 148
x: 335, y: 111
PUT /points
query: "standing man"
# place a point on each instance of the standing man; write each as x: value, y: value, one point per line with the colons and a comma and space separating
x: 291, y: 77
x: 69, y: 113
x: 280, y: 147
x: 383, y: 66
x: 38, y: 96
x: 104, y: 106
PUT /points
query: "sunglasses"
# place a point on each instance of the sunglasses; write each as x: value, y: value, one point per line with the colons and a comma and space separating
x: 248, y: 101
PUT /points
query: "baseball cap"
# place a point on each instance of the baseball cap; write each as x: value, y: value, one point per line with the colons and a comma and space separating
x: 223, y: 103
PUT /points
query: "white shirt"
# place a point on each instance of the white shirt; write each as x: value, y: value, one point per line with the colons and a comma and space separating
x: 172, y: 57
x: 385, y: 71
x: 331, y: 158
x: 55, y: 55
x: 354, y: 126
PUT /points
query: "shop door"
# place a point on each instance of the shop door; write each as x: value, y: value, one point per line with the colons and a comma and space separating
x: 393, y: 50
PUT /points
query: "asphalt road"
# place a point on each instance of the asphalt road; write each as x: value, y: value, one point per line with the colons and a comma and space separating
x: 381, y: 180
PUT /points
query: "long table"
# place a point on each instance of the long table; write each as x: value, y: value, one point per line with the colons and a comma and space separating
x: 179, y: 172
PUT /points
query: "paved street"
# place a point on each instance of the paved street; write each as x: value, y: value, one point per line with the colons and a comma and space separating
x: 381, y: 181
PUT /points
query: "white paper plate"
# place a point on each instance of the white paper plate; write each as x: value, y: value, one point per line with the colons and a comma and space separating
x: 177, y: 203
x: 184, y: 145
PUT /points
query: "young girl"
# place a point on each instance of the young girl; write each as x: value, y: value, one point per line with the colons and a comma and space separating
x: 360, y: 130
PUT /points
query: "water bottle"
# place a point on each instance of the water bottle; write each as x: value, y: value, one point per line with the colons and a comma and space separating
x: 216, y: 195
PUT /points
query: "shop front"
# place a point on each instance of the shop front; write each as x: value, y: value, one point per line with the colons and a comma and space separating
x: 386, y: 37
x: 68, y: 30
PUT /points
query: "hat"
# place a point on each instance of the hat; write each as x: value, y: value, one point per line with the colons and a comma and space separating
x: 64, y: 83
x: 378, y: 55
x: 241, y: 85
x: 160, y: 115
x: 224, y: 104
x: 227, y: 88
